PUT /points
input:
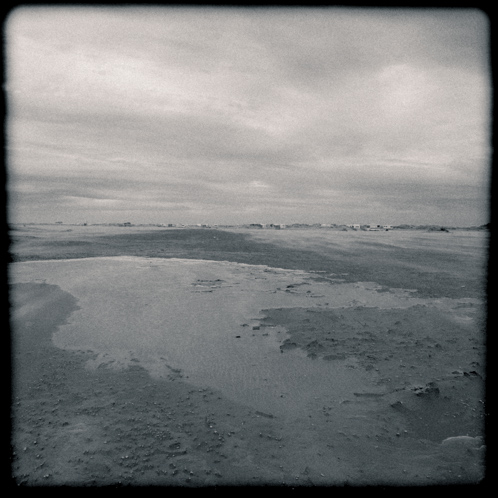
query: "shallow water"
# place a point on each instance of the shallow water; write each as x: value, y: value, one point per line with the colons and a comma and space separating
x: 198, y: 317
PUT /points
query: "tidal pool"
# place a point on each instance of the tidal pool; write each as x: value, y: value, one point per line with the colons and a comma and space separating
x: 201, y: 320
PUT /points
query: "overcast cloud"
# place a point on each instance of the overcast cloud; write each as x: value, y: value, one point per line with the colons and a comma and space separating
x: 164, y: 115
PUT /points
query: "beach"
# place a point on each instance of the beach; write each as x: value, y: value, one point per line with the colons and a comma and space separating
x: 215, y: 357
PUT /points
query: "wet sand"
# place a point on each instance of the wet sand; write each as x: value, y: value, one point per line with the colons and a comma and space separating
x: 405, y: 399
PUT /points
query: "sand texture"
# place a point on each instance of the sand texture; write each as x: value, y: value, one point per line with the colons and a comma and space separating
x: 209, y: 357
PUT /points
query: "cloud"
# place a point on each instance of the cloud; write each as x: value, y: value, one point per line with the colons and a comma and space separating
x: 205, y: 109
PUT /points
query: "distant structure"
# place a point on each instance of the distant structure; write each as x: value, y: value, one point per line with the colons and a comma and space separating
x: 356, y: 226
x: 387, y: 227
x: 373, y: 227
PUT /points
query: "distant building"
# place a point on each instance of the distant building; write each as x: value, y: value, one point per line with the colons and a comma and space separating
x: 356, y: 226
x: 387, y: 227
x: 373, y: 227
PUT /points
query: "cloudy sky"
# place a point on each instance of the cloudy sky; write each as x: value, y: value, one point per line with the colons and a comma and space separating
x: 174, y: 115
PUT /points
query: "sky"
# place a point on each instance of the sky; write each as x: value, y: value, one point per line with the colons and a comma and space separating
x: 247, y: 115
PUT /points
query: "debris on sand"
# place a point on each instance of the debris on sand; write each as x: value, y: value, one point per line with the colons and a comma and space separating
x: 429, y: 390
x: 287, y: 345
x: 266, y: 415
